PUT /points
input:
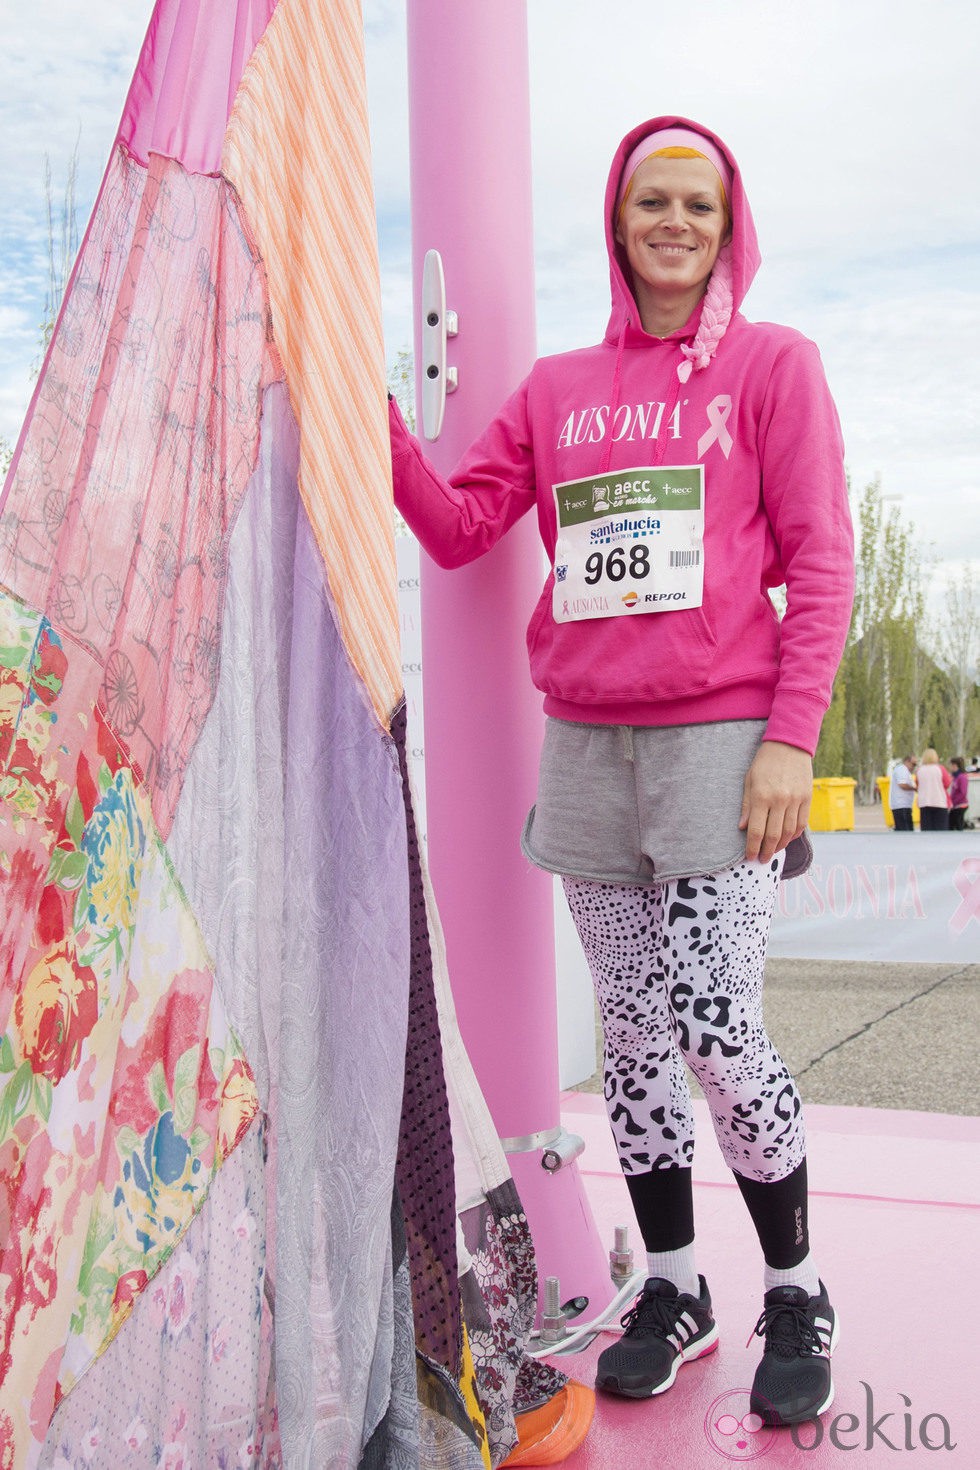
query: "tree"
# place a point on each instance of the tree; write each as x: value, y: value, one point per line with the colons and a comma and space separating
x: 958, y: 649
x: 830, y: 757
x: 401, y: 386
x: 62, y: 246
x: 880, y: 657
x: 879, y: 690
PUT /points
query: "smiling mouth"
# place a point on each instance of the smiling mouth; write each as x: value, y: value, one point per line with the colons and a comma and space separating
x: 663, y: 249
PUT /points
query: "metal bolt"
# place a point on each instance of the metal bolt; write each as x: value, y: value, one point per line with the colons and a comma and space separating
x: 621, y: 1256
x: 553, y: 1320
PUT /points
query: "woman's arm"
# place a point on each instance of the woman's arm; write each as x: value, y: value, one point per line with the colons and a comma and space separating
x: 459, y: 518
x: 804, y: 491
x: 805, y: 494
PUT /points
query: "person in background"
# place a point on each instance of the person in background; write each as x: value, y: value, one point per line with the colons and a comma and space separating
x: 932, y: 783
x: 679, y: 469
x: 959, y: 795
x: 901, y: 792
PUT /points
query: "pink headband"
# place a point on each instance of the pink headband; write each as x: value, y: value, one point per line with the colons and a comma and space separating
x: 674, y: 138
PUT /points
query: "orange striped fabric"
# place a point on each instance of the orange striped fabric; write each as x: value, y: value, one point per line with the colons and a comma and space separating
x: 297, y: 150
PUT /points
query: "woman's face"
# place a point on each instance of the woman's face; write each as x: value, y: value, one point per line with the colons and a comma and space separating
x: 672, y: 226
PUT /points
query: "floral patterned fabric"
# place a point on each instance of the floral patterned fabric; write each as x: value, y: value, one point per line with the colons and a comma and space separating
x: 111, y: 1001
x: 190, y: 1381
x: 499, y: 1293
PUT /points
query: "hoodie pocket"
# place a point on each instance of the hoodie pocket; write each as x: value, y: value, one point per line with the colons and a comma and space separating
x: 648, y: 656
x: 683, y: 647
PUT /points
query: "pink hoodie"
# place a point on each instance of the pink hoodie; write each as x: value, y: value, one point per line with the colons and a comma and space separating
x: 760, y: 419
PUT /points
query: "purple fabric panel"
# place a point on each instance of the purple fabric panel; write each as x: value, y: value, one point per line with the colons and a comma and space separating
x: 425, y: 1174
x: 342, y: 1006
x: 187, y: 76
x: 289, y: 840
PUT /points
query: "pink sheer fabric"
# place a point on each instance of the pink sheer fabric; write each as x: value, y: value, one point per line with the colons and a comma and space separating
x: 189, y: 69
x: 168, y: 303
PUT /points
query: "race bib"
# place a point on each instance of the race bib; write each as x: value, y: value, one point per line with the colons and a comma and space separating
x: 629, y: 542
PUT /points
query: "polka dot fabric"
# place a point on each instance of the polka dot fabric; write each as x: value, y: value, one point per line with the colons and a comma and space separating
x: 424, y: 1172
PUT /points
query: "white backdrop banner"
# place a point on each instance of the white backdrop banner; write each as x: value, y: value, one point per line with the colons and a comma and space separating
x: 897, y: 896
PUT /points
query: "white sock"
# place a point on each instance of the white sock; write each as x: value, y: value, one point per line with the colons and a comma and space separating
x: 676, y: 1267
x: 804, y: 1274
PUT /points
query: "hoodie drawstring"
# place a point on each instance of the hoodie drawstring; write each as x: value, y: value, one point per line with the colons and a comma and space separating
x: 614, y: 395
x: 660, y: 448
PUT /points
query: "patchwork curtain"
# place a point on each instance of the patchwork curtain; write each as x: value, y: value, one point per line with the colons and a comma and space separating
x: 252, y: 1209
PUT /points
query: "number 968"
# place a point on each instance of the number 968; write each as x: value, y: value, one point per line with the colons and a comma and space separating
x: 615, y: 565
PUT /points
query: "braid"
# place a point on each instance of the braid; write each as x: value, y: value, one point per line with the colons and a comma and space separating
x: 716, y: 313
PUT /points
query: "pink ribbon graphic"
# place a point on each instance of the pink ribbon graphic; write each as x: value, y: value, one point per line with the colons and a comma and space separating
x: 718, y: 412
x: 966, y: 881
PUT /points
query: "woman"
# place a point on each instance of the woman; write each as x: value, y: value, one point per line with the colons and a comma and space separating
x: 933, y: 782
x: 959, y: 795
x: 679, y: 469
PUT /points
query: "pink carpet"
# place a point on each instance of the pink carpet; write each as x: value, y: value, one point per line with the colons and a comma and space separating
x: 894, y: 1215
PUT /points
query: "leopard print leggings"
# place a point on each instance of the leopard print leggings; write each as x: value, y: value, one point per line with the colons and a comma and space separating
x: 678, y: 970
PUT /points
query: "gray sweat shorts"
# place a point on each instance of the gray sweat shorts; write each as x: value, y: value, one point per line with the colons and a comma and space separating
x: 641, y: 804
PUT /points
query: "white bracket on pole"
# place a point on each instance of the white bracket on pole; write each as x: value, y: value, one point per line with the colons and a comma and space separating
x: 437, y: 325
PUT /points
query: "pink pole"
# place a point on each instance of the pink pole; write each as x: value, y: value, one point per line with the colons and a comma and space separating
x: 471, y: 201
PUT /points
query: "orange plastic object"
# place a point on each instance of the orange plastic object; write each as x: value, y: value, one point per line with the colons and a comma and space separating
x: 548, y: 1435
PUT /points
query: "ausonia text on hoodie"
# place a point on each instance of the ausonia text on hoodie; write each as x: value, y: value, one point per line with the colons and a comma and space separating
x: 630, y: 422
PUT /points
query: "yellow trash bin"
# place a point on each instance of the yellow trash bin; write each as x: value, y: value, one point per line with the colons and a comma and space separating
x: 884, y: 786
x: 832, y: 808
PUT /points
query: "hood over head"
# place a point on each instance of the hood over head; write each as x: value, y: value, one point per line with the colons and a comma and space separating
x: 737, y: 261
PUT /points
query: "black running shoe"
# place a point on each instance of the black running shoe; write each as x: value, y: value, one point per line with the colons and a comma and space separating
x: 662, y: 1331
x: 793, y: 1382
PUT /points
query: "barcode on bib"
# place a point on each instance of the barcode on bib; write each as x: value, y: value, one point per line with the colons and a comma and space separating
x: 685, y: 558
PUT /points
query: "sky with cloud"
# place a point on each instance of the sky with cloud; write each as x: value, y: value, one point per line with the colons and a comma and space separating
x: 855, y: 123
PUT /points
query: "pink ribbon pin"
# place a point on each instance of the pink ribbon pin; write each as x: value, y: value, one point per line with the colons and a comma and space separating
x: 966, y: 881
x: 719, y: 410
